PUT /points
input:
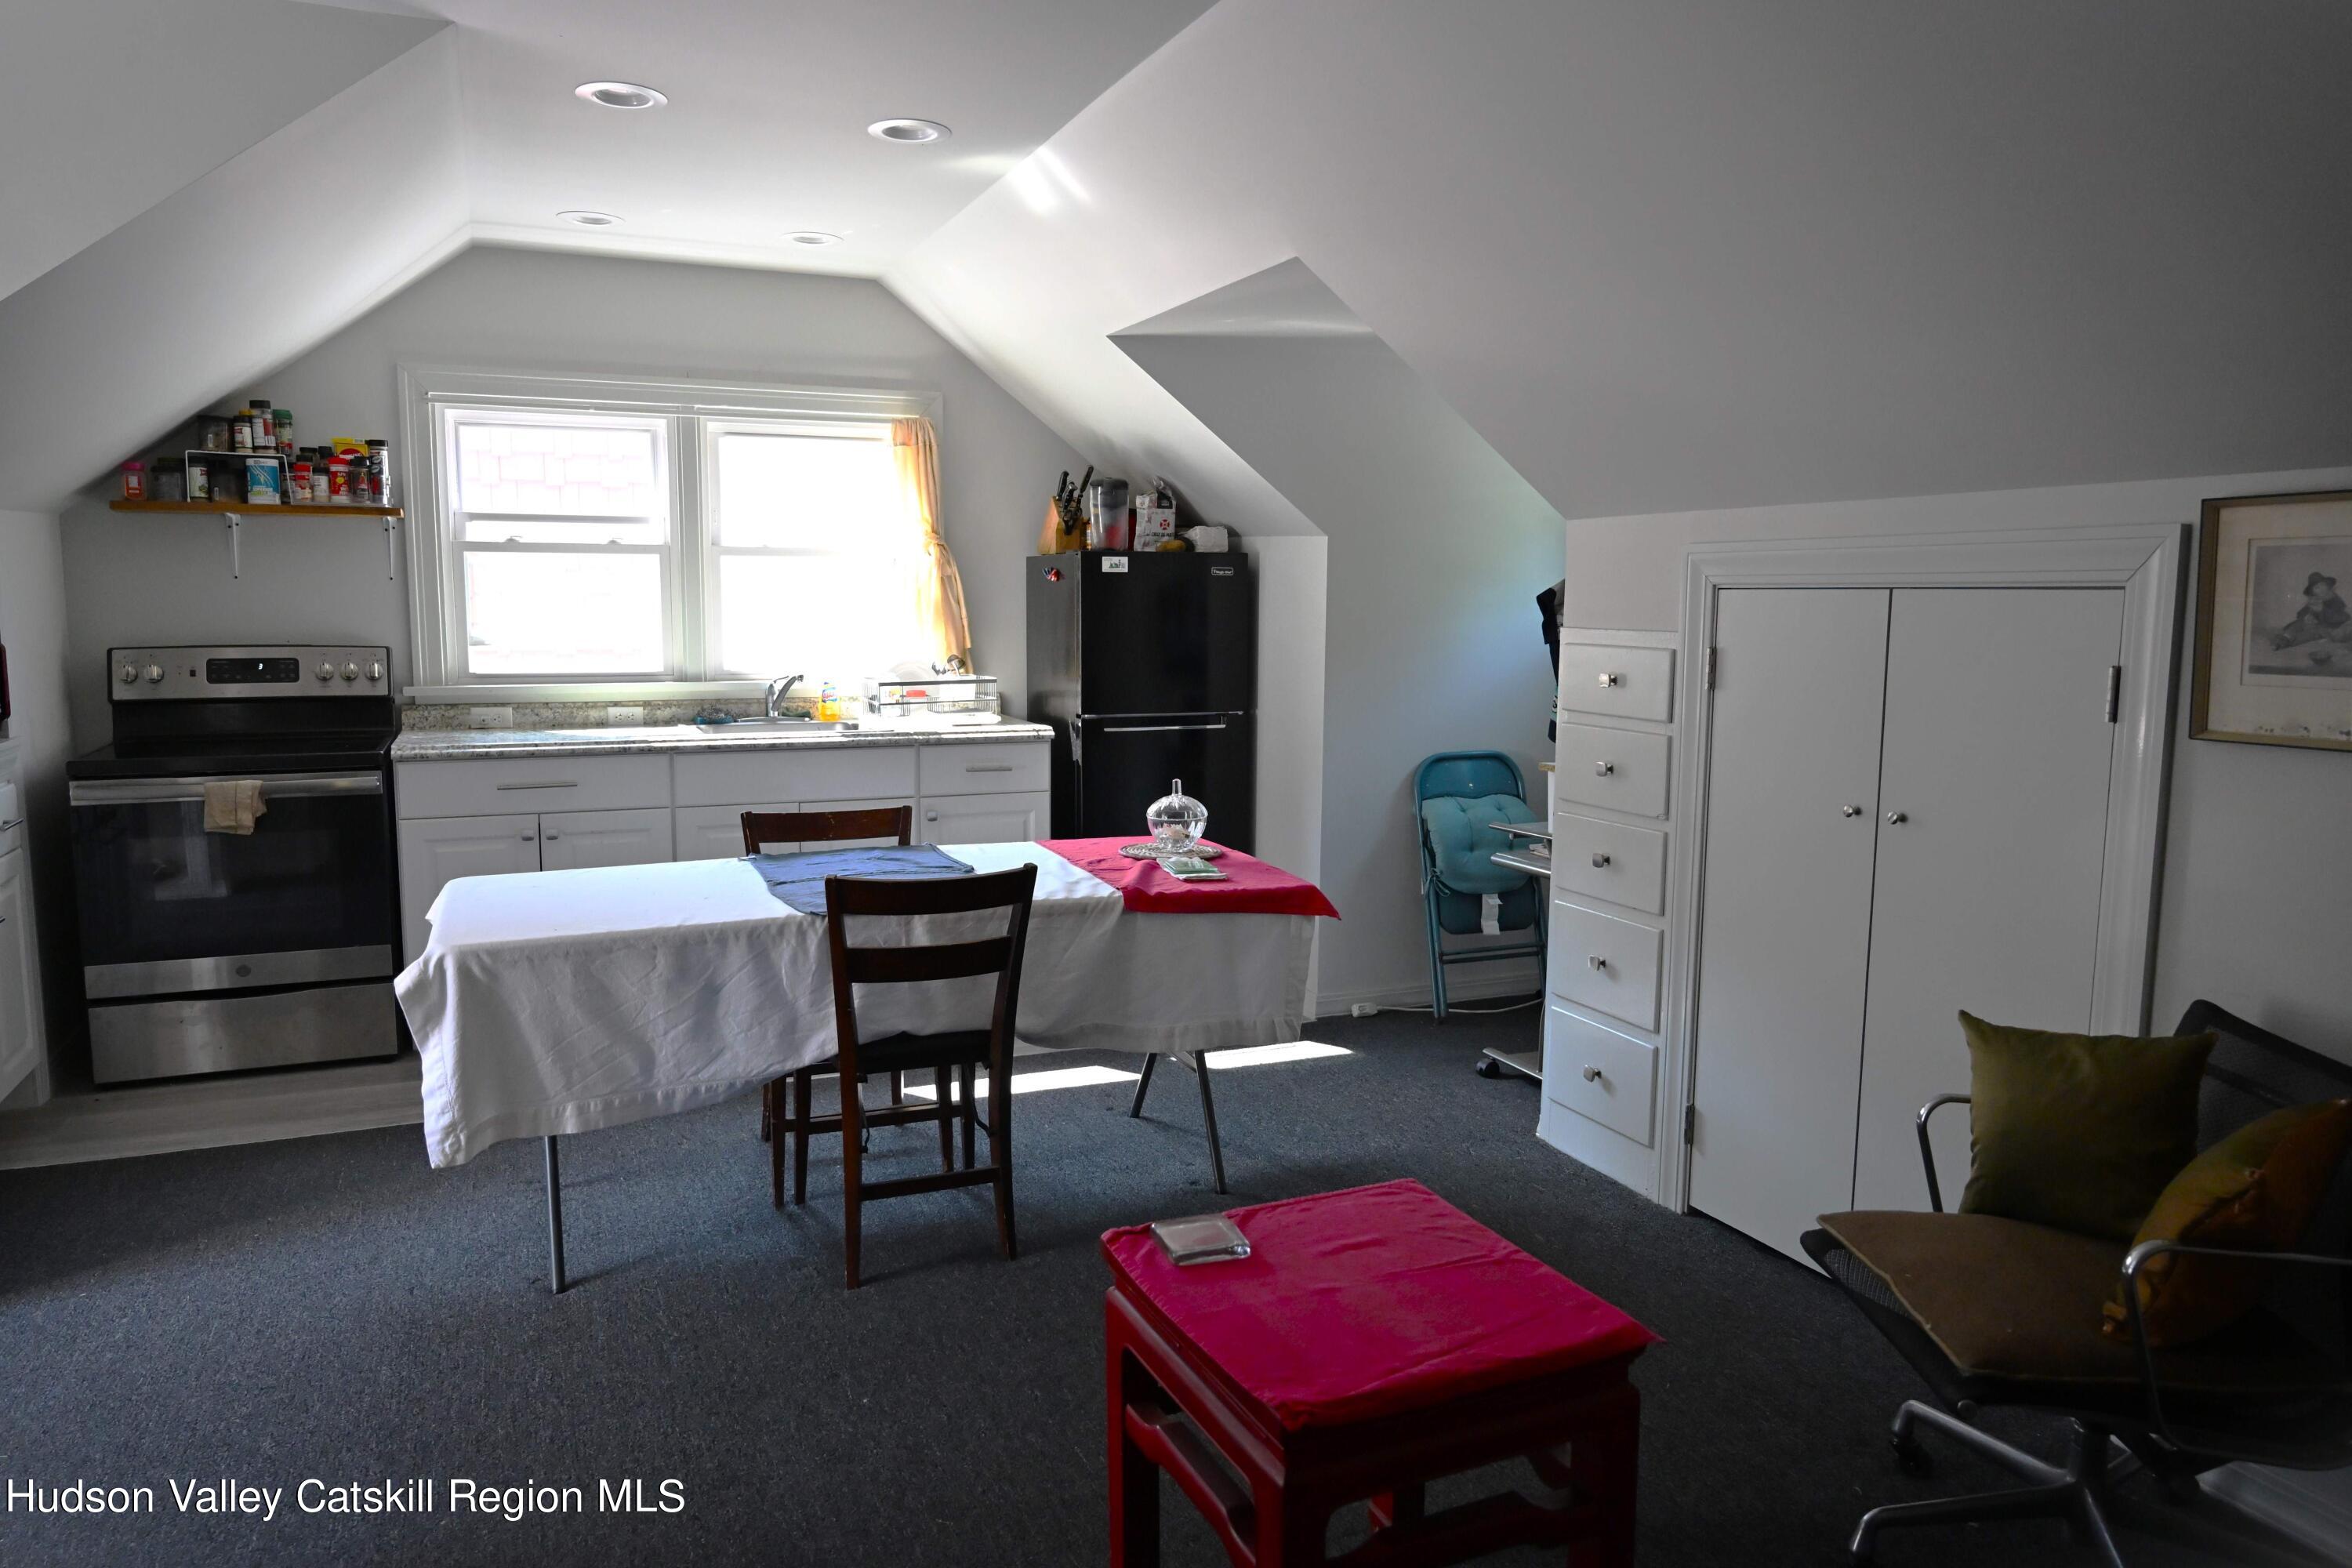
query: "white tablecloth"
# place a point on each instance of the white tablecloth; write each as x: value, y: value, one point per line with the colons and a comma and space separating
x: 558, y: 1002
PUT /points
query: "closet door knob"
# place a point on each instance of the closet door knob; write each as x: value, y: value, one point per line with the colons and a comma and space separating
x: 1897, y: 818
x: 1595, y: 960
x: 1602, y: 770
x: 1600, y: 858
x: 1609, y: 680
x: 1592, y: 1073
x: 1849, y: 811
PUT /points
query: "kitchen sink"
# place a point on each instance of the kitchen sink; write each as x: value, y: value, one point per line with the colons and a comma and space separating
x: 773, y: 727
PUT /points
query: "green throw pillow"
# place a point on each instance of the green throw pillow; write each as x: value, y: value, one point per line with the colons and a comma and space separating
x: 2079, y: 1132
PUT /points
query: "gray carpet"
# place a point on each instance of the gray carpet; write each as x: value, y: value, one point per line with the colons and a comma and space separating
x: 332, y: 1308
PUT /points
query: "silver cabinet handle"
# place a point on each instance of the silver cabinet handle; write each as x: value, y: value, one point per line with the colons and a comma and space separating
x: 1849, y: 811
x: 568, y: 783
x: 1592, y: 1073
x: 1602, y: 770
x: 930, y: 816
x: 1600, y: 858
x: 551, y: 837
x: 1897, y: 818
x: 988, y: 767
x: 1610, y: 679
x: 528, y: 838
x: 1595, y: 960
x: 12, y: 822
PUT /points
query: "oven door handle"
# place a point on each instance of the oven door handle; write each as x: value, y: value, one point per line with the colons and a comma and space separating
x: 274, y: 786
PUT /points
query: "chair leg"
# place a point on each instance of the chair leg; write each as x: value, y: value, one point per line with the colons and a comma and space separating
x: 943, y: 1081
x: 897, y: 1088
x: 1000, y: 1151
x: 971, y: 1118
x: 803, y: 1090
x: 775, y: 1128
x: 853, y: 1159
x: 767, y: 1108
x: 1436, y: 958
x: 1143, y: 1084
x: 2056, y: 1501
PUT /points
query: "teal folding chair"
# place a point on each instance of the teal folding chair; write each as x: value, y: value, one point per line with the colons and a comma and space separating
x: 1456, y: 795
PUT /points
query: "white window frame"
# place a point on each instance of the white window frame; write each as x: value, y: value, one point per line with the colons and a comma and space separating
x: 436, y: 599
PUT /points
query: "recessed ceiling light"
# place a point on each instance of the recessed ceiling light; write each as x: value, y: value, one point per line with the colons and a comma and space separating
x: 908, y: 131
x: 812, y: 238
x: 619, y: 95
x: 587, y: 219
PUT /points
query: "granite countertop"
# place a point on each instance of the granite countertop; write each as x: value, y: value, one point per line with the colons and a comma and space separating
x: 452, y: 745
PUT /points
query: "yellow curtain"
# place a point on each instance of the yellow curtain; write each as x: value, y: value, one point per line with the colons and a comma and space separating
x: 939, y: 588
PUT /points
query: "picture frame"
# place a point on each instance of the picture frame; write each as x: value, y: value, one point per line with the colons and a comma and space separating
x: 2274, y: 651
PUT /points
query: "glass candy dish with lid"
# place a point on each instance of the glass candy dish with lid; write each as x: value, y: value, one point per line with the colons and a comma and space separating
x: 1176, y: 820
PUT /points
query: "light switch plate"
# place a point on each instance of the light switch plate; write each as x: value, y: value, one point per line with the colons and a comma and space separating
x: 489, y: 718
x: 623, y: 717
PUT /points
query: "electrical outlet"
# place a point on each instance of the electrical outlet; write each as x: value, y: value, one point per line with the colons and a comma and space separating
x: 623, y: 718
x: 1361, y: 1010
x: 489, y: 718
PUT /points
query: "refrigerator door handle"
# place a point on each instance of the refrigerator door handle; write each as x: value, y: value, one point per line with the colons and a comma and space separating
x: 1156, y: 729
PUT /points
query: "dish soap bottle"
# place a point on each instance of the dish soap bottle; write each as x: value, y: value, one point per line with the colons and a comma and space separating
x: 828, y: 703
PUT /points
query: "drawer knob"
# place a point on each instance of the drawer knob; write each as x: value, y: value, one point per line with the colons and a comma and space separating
x: 1897, y: 818
x: 1595, y: 960
x: 1602, y: 770
x: 1608, y: 678
x: 1849, y: 811
x: 1600, y: 858
x: 1592, y: 1073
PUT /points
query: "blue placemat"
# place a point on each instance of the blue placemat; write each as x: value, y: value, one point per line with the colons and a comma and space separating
x: 798, y: 880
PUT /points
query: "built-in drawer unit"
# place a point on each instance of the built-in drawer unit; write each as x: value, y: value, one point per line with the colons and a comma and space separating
x: 806, y: 773
x: 1599, y: 1073
x: 1607, y: 964
x: 1624, y: 769
x: 1612, y: 860
x: 1623, y: 682
x: 489, y: 787
x: 986, y: 767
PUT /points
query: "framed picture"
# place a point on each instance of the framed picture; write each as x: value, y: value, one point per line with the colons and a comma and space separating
x: 2274, y: 621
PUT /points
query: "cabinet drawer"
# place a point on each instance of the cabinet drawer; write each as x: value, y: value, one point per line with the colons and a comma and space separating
x: 1609, y: 860
x: 571, y: 841
x: 716, y: 832
x: 493, y: 786
x: 836, y: 772
x: 1607, y: 964
x: 1624, y: 769
x: 1628, y: 682
x: 986, y: 767
x: 1599, y: 1073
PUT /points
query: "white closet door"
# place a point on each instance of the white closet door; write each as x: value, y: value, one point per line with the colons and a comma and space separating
x: 1993, y: 832
x: 1784, y: 932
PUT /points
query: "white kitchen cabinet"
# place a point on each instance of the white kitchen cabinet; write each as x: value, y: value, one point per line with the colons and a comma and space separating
x: 571, y: 841
x: 487, y: 786
x: 436, y: 852
x: 985, y: 819
x: 1907, y: 815
x: 716, y: 832
x: 19, y: 1033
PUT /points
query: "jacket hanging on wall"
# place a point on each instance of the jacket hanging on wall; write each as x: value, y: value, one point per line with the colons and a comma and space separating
x: 1548, y: 602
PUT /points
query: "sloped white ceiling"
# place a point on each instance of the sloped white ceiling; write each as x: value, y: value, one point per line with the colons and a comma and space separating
x: 1678, y: 254
x: 109, y: 106
x: 230, y: 274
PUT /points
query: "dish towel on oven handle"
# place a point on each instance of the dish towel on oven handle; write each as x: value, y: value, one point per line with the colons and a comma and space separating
x: 233, y: 805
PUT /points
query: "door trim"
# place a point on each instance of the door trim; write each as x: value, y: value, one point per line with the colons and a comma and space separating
x: 2146, y: 561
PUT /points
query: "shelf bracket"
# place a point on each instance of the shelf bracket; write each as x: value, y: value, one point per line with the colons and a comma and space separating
x: 235, y: 560
x: 391, y: 555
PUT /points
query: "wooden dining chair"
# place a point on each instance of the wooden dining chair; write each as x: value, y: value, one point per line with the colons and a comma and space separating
x: 960, y: 1052
x: 896, y: 822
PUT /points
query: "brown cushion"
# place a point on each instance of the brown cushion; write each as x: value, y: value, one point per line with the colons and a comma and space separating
x: 2258, y: 1189
x: 2004, y: 1298
x: 2080, y: 1131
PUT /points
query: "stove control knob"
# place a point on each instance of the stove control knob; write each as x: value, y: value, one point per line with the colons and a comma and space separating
x: 129, y: 674
x: 326, y: 669
x: 154, y: 674
x: 375, y: 670
x: 351, y: 672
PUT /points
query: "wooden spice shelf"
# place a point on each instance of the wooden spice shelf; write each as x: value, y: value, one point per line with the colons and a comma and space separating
x: 263, y: 509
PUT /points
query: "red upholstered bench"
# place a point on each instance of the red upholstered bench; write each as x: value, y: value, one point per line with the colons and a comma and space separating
x: 1374, y: 1341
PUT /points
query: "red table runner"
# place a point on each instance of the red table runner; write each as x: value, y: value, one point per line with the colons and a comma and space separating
x: 1369, y: 1303
x: 1252, y: 887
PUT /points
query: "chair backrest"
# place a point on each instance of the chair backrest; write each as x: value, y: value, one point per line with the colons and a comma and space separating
x: 847, y: 898
x: 826, y: 827
x: 1465, y: 773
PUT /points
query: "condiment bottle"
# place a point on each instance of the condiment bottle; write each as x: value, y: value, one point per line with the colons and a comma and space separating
x: 240, y: 430
x: 282, y: 421
x: 134, y: 480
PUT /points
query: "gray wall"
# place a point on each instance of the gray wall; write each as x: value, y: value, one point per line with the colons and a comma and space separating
x: 2252, y: 914
x: 33, y: 626
x: 166, y: 579
x: 1436, y: 550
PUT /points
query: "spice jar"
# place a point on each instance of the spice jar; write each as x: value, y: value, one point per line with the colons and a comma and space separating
x: 200, y: 479
x: 134, y: 480
x: 212, y: 432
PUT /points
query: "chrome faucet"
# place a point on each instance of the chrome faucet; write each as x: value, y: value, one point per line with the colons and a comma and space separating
x: 779, y: 690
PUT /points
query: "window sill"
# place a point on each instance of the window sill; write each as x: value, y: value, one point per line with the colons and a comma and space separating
x: 621, y: 692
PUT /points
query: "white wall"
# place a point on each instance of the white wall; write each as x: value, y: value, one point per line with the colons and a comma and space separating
x: 2248, y: 918
x: 1433, y: 641
x: 139, y: 578
x: 33, y: 626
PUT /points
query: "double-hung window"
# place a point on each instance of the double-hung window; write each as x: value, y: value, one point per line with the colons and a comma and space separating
x: 667, y: 537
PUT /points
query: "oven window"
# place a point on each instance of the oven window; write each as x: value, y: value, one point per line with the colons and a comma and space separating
x: 315, y: 873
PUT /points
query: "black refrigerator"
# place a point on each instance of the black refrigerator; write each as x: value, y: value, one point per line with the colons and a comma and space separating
x: 1146, y: 667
